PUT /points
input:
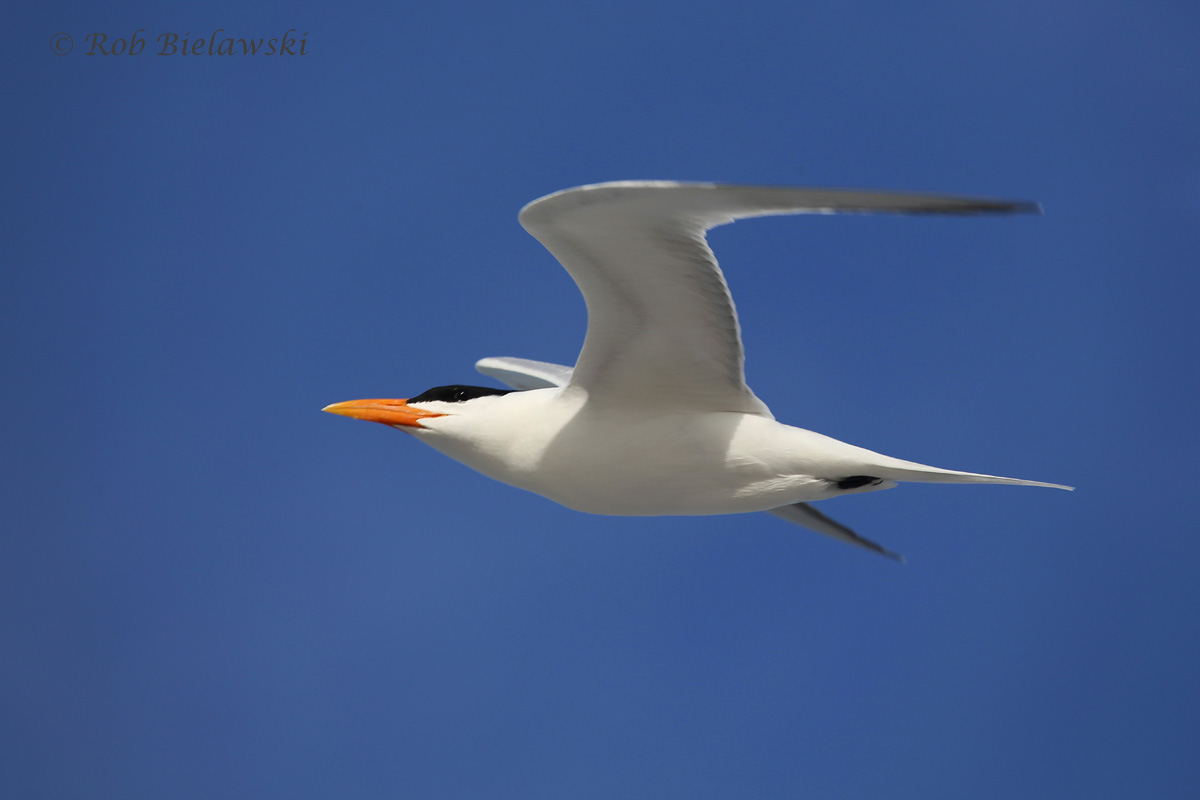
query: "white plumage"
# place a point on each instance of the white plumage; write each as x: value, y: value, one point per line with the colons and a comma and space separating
x: 656, y: 417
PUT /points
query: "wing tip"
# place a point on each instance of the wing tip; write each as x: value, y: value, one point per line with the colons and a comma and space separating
x: 970, y: 205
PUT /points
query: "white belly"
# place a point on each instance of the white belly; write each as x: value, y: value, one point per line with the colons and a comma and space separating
x: 630, y: 464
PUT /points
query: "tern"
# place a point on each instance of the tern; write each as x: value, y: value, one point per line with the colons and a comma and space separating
x: 656, y: 418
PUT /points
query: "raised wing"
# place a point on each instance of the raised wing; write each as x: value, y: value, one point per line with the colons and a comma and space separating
x: 524, y: 373
x: 662, y: 329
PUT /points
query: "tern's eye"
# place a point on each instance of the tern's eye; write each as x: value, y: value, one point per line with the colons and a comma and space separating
x: 455, y: 393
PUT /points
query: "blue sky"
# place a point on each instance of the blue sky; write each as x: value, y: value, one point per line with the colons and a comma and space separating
x: 211, y: 589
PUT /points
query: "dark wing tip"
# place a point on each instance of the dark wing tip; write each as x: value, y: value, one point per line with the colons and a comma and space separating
x: 955, y: 205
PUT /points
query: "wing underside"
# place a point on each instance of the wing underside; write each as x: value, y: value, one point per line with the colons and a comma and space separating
x: 662, y: 327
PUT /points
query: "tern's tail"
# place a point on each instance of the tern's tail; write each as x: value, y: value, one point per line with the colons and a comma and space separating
x: 895, y: 469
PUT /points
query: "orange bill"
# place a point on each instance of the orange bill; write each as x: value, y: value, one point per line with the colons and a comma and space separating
x: 388, y: 412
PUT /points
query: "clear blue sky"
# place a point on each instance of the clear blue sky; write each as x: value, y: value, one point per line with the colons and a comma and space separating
x: 210, y: 589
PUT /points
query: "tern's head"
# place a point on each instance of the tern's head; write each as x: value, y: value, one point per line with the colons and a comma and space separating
x: 413, y: 414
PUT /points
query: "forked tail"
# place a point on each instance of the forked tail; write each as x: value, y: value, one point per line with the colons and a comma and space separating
x: 895, y: 469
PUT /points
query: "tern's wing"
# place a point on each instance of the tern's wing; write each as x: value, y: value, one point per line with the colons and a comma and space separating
x: 661, y: 324
x: 804, y: 514
x: 524, y: 373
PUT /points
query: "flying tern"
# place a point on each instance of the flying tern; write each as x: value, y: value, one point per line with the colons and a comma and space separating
x: 656, y: 418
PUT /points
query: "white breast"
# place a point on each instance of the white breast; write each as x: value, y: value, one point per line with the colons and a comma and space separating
x: 626, y: 461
